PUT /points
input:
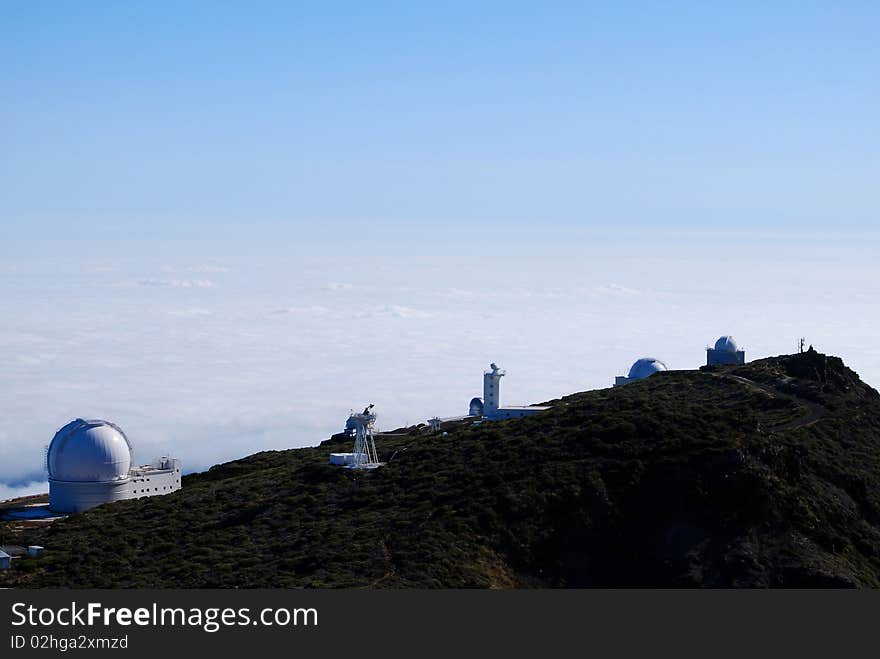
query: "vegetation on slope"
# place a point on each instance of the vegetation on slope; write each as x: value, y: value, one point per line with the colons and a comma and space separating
x: 758, y: 475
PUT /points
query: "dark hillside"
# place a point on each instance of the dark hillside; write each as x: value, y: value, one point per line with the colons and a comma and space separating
x: 760, y: 475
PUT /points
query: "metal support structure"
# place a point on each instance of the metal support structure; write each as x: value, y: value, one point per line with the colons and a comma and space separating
x: 365, y: 456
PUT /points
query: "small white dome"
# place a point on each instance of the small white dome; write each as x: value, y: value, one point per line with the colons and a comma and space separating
x: 726, y: 344
x: 644, y: 367
x: 89, y: 451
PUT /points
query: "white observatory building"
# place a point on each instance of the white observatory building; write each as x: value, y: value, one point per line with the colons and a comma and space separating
x: 89, y: 463
x: 491, y: 403
x: 641, y: 369
x: 726, y: 351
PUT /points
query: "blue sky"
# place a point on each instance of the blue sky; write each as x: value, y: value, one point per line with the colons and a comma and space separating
x: 222, y: 225
x: 687, y: 114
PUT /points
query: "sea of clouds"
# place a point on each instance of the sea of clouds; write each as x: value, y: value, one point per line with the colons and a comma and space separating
x: 214, y: 352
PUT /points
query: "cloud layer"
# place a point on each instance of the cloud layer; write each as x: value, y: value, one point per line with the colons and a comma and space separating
x: 274, y: 353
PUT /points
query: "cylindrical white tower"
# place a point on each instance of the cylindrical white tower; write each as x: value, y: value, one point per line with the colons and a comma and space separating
x: 492, y: 390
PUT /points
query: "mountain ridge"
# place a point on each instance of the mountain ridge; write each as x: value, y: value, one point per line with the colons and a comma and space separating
x: 764, y: 474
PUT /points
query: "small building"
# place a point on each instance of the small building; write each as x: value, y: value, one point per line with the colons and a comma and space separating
x: 342, y: 459
x: 641, y: 369
x: 726, y: 351
x: 34, y: 550
x: 5, y: 560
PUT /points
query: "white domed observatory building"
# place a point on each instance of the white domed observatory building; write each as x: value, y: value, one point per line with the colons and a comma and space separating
x: 641, y: 369
x: 726, y: 351
x: 89, y: 463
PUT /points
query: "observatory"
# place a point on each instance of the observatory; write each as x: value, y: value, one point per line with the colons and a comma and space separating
x: 491, y: 403
x: 641, y: 369
x: 89, y: 463
x: 364, y: 455
x: 726, y: 351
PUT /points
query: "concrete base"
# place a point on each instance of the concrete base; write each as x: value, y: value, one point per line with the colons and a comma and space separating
x: 723, y: 357
x: 73, y: 497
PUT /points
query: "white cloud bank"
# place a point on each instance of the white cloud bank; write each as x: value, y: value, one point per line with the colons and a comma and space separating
x: 177, y: 283
x: 274, y: 357
x: 14, y: 492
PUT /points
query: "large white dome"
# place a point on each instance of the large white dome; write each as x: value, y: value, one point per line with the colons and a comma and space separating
x: 89, y: 452
x: 726, y: 344
x: 644, y: 367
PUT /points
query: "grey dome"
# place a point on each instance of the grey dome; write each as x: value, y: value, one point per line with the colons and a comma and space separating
x: 93, y: 451
x: 645, y: 367
x: 476, y: 407
x: 726, y: 344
